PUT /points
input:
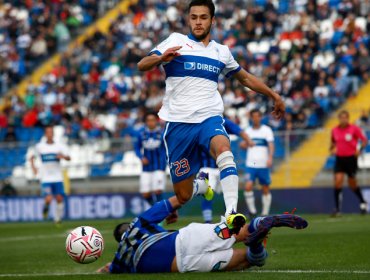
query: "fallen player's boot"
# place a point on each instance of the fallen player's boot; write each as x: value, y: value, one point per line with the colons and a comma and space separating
x: 262, y: 226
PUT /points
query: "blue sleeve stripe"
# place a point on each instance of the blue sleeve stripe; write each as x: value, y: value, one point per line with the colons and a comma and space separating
x: 232, y: 72
x: 154, y: 52
x: 231, y: 127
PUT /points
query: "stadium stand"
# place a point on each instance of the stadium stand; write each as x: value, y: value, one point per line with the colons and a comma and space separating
x: 31, y: 31
x: 315, y: 53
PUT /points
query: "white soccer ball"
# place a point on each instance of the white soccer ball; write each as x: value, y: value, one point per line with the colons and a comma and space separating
x: 84, y: 244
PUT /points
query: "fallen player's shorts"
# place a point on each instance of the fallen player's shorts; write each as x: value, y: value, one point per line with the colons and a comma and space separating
x: 204, y: 247
x: 185, y: 142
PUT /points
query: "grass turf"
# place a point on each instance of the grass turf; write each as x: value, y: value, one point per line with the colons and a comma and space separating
x: 328, y: 249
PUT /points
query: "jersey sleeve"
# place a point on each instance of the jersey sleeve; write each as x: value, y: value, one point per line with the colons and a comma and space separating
x: 269, y: 135
x: 232, y: 128
x: 138, y: 146
x: 360, y: 134
x: 231, y: 67
x: 164, y: 45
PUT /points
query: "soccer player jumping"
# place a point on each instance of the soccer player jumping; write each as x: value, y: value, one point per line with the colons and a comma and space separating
x: 193, y: 107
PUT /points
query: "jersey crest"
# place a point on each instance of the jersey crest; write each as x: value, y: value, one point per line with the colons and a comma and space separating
x: 222, y: 231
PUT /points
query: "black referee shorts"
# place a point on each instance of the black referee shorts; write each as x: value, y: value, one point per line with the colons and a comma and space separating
x: 347, y: 165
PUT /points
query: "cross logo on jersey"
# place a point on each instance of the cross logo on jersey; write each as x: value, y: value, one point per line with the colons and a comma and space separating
x: 222, y: 231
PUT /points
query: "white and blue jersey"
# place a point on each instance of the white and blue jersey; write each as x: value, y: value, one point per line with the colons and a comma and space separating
x: 50, y: 170
x: 258, y: 155
x: 145, y: 246
x: 150, y: 145
x: 192, y: 79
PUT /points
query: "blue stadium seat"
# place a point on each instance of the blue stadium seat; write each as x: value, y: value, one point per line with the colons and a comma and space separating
x: 100, y: 170
x: 329, y: 164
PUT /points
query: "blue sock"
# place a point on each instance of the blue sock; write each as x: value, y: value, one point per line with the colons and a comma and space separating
x: 255, y: 248
x: 207, y: 210
x: 257, y: 259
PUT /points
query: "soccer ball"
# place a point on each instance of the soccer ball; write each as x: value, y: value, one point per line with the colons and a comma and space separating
x: 84, y: 244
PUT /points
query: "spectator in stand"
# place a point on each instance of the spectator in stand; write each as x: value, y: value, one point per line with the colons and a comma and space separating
x: 313, y: 62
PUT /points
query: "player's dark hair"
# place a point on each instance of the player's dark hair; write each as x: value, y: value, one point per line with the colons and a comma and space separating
x: 207, y: 3
x: 255, y: 111
x: 148, y: 114
x: 48, y: 126
x: 119, y: 230
x: 343, y: 112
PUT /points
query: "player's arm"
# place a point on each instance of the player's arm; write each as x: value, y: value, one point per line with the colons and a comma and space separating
x: 271, y: 146
x: 255, y: 84
x: 363, y: 139
x: 153, y: 60
x: 233, y: 128
x: 332, y: 144
x: 64, y: 154
x: 33, y: 165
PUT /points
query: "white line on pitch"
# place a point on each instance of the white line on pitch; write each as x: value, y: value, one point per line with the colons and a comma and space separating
x: 311, y: 271
x: 251, y: 271
x: 39, y: 236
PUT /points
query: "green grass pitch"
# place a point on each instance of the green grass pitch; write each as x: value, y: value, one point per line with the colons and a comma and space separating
x: 328, y: 249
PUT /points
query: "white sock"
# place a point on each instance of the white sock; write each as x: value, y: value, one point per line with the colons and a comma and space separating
x: 229, y: 181
x: 266, y: 203
x: 59, y: 212
x: 199, y: 187
x: 250, y: 201
x: 230, y: 186
x: 207, y: 215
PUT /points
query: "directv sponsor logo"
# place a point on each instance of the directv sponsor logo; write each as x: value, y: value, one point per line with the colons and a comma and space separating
x: 201, y: 66
x: 189, y: 65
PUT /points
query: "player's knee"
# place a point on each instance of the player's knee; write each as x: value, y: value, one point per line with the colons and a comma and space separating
x: 183, y: 198
x: 59, y: 198
x: 225, y: 160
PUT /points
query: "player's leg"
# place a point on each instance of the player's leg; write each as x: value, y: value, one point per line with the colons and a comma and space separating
x: 248, y: 193
x: 352, y: 182
x: 47, y: 193
x: 58, y: 191
x: 265, y: 181
x: 338, y: 191
x: 145, y: 186
x: 221, y: 151
x: 159, y: 184
x: 184, y: 157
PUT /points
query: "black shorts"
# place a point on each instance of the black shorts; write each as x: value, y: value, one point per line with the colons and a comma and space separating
x: 346, y: 165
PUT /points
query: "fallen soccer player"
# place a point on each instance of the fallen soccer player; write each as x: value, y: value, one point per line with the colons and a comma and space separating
x: 146, y: 247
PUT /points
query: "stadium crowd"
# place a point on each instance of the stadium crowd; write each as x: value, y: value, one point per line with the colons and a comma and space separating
x: 315, y: 53
x: 31, y: 31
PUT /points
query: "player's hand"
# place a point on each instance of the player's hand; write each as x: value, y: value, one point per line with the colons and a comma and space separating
x: 269, y: 163
x: 170, y: 54
x: 145, y: 161
x: 172, y: 218
x: 60, y: 156
x: 279, y: 108
x: 243, y: 145
x: 250, y: 143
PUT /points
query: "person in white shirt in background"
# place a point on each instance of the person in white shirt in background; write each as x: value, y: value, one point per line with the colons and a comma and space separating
x: 259, y: 161
x: 50, y: 172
